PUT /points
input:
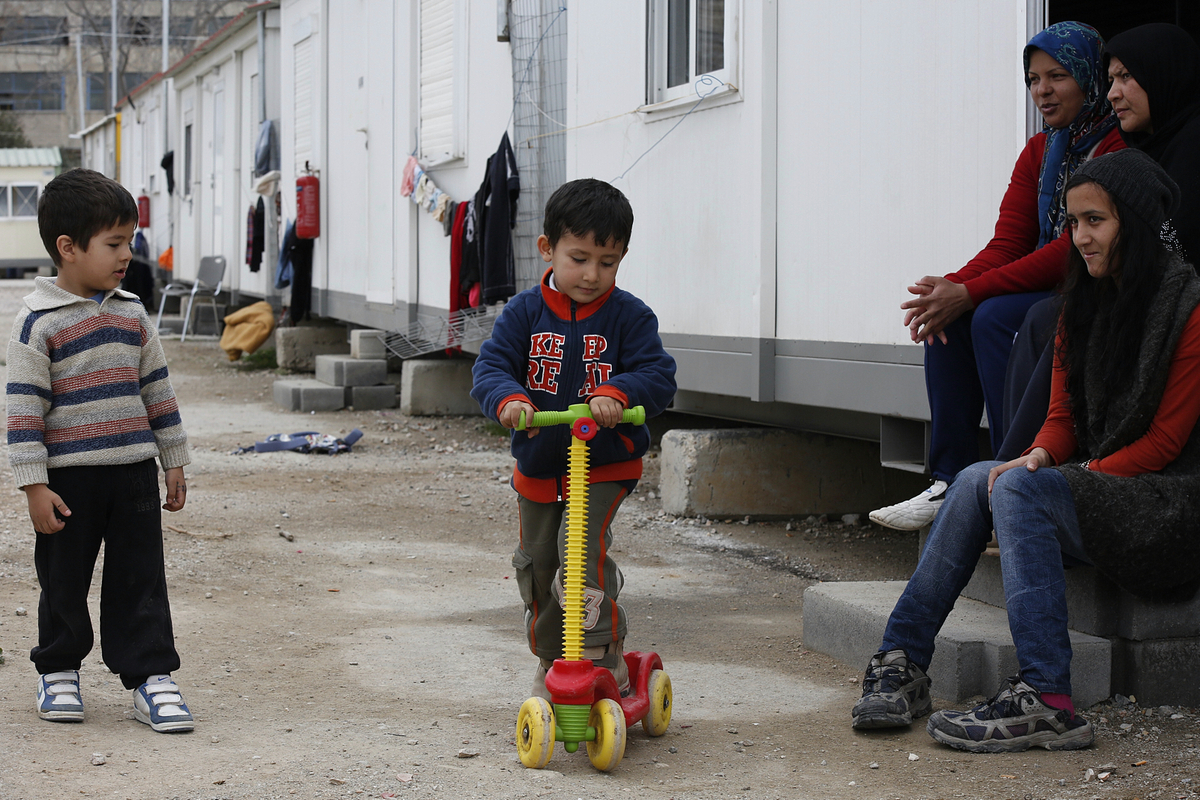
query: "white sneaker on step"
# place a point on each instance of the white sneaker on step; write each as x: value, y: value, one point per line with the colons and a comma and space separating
x: 913, y: 514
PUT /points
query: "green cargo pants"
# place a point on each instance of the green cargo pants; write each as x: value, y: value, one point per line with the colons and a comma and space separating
x: 539, y: 557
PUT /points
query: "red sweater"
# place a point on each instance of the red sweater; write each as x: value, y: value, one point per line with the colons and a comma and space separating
x: 1011, y: 262
x: 1169, y: 430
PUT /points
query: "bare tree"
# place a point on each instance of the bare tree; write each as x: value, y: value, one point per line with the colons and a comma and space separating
x: 139, y: 33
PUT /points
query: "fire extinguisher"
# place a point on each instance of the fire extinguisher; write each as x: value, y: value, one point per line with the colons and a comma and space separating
x: 143, y: 207
x: 308, y: 204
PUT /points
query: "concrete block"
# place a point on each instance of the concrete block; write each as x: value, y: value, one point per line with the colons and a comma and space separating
x: 340, y: 370
x: 370, y: 398
x: 297, y: 348
x: 973, y: 654
x: 437, y: 388
x: 308, y: 394
x: 1098, y: 606
x: 1157, y: 673
x: 772, y: 472
x: 367, y: 343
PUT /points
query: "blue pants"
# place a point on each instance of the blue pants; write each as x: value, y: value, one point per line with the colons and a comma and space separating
x: 966, y: 375
x: 1033, y: 515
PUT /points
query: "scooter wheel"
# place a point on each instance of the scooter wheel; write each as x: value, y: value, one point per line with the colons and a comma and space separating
x: 658, y: 717
x: 535, y: 733
x: 609, y: 746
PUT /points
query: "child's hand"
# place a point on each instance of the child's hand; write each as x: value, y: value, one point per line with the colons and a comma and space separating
x: 510, y: 415
x: 42, y: 505
x: 606, y: 410
x: 176, y: 489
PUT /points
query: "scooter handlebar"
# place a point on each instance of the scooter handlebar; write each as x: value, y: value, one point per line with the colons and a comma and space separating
x: 544, y: 419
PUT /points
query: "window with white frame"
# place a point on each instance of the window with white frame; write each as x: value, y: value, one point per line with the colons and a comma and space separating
x: 19, y: 200
x: 689, y: 39
x: 442, y: 80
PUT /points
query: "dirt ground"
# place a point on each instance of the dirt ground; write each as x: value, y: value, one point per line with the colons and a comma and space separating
x: 350, y: 627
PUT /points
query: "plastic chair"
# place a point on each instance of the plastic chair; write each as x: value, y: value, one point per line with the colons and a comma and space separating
x: 207, y: 285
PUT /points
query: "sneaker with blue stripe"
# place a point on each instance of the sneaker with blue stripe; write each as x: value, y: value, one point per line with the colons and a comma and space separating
x: 58, y: 698
x: 158, y: 703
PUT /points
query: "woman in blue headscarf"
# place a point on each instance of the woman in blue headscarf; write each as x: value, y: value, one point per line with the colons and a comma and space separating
x: 967, y: 319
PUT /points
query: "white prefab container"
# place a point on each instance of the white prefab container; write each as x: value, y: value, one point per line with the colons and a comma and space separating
x: 23, y: 173
x: 792, y: 166
x: 215, y: 109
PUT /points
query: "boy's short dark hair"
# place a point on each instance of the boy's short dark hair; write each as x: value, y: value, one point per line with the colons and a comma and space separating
x: 80, y: 203
x: 588, y: 206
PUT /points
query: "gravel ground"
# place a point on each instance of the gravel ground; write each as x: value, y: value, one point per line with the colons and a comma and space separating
x: 349, y: 627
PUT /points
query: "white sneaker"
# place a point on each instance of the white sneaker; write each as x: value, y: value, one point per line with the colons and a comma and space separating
x: 914, y: 514
x: 58, y: 697
x: 157, y: 703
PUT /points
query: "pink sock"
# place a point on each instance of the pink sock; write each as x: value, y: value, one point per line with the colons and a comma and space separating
x: 1059, y: 701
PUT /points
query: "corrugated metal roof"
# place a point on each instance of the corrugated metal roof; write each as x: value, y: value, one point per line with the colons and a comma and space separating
x: 30, y: 157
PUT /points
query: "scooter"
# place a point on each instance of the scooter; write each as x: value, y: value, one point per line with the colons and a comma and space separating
x: 587, y: 704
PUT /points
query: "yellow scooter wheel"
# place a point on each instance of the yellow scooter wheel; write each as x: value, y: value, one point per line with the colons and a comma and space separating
x: 535, y: 733
x: 658, y: 717
x: 609, y: 746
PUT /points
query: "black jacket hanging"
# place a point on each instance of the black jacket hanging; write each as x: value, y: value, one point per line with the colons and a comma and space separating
x: 495, y: 217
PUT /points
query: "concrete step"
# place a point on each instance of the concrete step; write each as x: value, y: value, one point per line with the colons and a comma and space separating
x: 308, y: 394
x: 973, y: 653
x: 339, y: 370
x: 1098, y: 606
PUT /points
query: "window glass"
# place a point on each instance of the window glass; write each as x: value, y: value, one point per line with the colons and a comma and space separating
x: 3, y: 201
x: 31, y: 91
x: 187, y: 160
x: 677, y: 42
x: 710, y: 36
x: 34, y: 30
x: 99, y: 94
x: 24, y: 200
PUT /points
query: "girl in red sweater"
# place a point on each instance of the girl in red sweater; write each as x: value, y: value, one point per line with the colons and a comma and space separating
x: 1113, y: 478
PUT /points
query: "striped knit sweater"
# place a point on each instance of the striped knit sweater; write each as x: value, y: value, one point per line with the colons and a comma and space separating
x: 88, y: 386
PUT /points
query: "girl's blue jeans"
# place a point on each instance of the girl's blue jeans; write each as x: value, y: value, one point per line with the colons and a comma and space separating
x: 1033, y: 515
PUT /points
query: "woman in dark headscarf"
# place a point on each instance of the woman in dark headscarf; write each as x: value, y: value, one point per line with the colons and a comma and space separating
x: 1155, y: 74
x: 968, y: 317
x: 1155, y: 93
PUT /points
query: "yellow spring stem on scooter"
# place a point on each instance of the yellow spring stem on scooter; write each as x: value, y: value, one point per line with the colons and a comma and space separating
x: 573, y: 568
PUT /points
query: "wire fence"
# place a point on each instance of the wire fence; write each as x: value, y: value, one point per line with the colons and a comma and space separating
x: 538, y: 39
x: 434, y: 332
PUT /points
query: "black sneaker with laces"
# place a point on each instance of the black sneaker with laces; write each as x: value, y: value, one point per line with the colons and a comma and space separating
x: 895, y: 692
x: 1014, y: 720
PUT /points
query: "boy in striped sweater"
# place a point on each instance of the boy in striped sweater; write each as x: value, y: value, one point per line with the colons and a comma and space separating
x: 90, y: 407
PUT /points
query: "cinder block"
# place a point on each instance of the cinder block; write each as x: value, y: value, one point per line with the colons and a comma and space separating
x: 370, y: 398
x: 1161, y: 672
x: 338, y: 370
x: 297, y: 348
x: 1096, y: 605
x: 367, y: 343
x: 973, y: 653
x: 308, y: 394
x: 773, y: 472
x: 437, y: 388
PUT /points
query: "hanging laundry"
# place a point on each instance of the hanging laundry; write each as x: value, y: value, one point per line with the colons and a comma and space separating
x: 448, y: 218
x: 258, y: 239
x: 406, y: 181
x: 495, y: 217
x: 469, y: 272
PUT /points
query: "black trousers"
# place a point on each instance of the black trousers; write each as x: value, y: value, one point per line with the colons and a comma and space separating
x: 1027, y: 382
x: 120, y: 506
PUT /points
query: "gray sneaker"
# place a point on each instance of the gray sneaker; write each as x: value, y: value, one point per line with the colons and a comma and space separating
x: 895, y: 692
x: 1015, y: 719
